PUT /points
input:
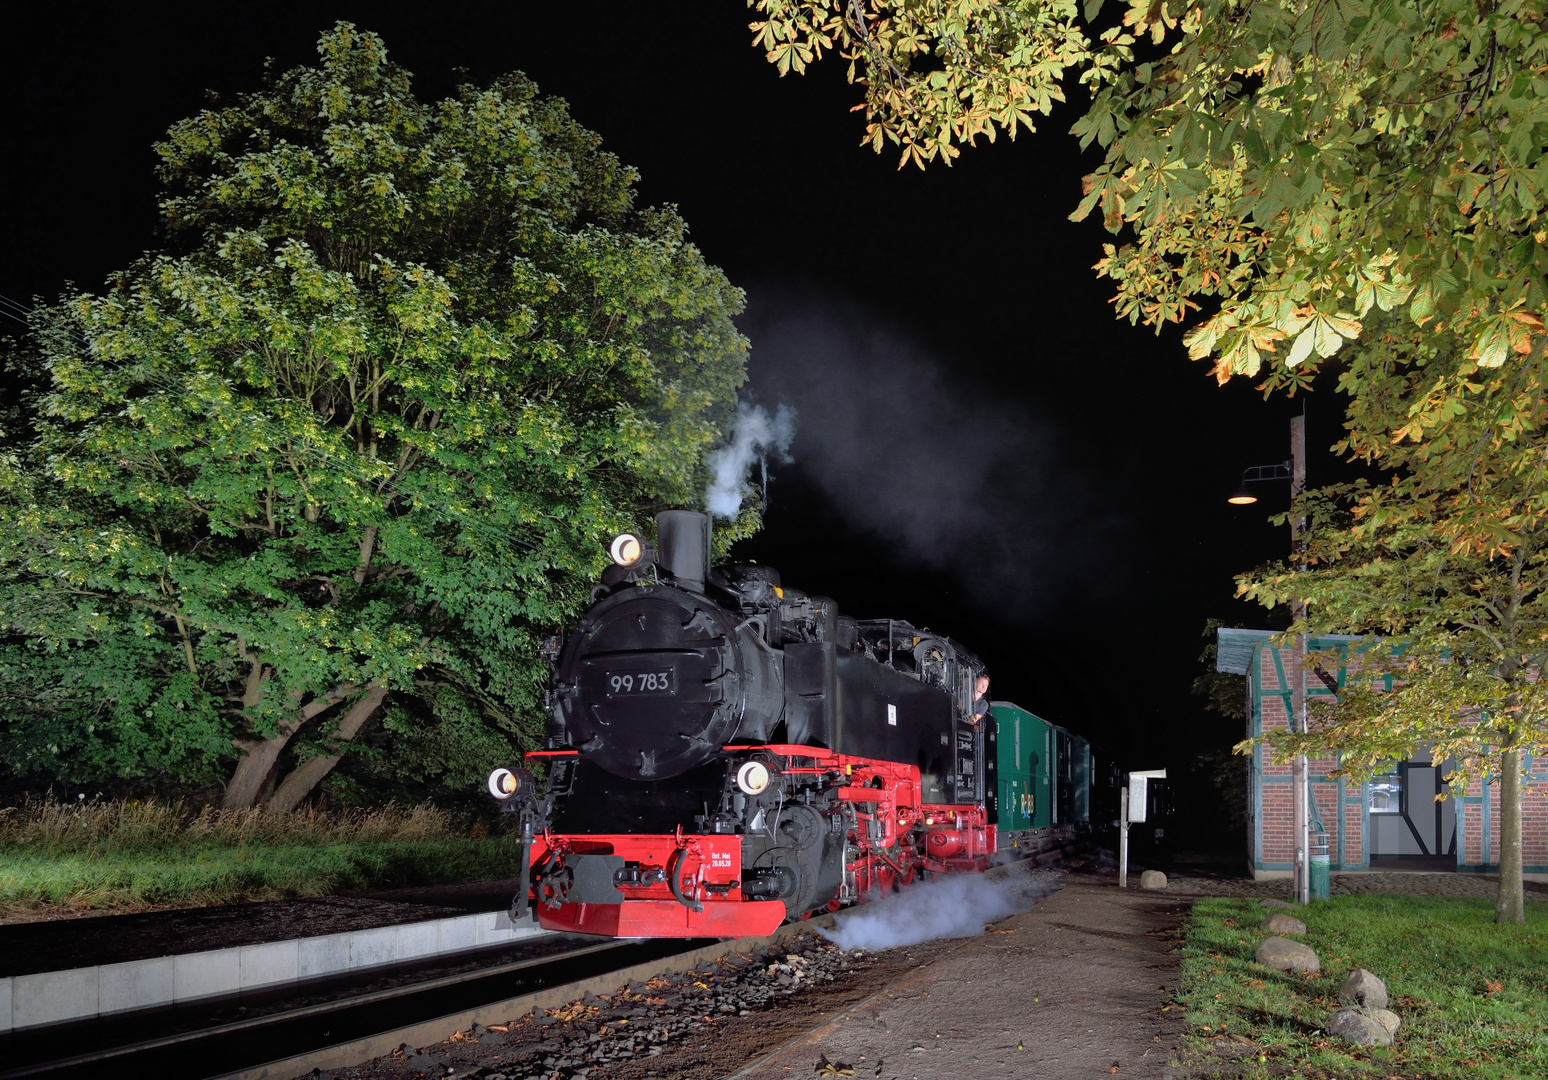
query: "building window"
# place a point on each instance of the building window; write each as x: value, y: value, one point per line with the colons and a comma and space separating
x: 1387, y: 793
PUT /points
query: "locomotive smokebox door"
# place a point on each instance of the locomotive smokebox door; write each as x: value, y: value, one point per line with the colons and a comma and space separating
x: 656, y: 679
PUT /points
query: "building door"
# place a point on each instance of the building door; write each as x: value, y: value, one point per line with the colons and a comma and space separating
x: 1407, y: 822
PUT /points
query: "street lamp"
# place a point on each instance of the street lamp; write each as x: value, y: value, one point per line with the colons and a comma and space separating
x: 1258, y: 474
x: 1293, y: 470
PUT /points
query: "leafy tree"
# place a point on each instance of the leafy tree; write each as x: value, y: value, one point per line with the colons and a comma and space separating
x: 1461, y: 639
x: 935, y: 75
x: 1349, y: 185
x: 350, y: 444
x: 1289, y: 176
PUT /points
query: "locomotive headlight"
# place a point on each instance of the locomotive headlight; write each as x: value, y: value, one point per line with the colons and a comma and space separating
x: 753, y: 778
x: 508, y: 783
x: 627, y: 549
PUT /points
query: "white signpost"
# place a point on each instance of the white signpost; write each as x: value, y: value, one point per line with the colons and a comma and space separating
x: 1132, y: 806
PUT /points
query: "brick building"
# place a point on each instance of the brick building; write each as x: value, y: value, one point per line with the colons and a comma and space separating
x: 1388, y: 822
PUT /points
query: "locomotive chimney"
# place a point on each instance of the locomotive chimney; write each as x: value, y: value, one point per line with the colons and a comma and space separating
x: 683, y: 538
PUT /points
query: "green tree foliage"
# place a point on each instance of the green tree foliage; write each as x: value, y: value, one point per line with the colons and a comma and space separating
x: 351, y: 445
x: 1286, y: 177
x: 1459, y: 641
x: 935, y: 75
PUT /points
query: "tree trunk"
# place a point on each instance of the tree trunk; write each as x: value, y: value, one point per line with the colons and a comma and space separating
x: 251, y: 777
x: 1510, y: 905
x: 304, y: 777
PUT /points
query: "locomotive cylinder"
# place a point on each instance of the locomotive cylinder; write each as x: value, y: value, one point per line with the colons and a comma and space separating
x: 944, y: 843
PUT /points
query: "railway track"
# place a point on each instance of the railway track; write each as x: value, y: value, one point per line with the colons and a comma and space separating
x: 281, y: 1040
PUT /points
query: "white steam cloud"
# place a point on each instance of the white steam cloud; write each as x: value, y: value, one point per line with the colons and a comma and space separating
x: 756, y: 435
x: 950, y: 907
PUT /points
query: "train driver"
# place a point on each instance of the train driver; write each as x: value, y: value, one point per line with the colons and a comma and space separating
x: 980, y: 707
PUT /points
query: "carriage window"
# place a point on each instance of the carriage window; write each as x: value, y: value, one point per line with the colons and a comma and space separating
x: 1387, y: 793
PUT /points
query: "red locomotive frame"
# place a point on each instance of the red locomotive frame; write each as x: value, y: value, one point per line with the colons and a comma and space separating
x: 893, y: 835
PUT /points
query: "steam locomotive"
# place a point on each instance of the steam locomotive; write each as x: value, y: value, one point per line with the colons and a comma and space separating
x: 724, y: 753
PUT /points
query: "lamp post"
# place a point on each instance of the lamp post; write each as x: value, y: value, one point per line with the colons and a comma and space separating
x: 1293, y: 470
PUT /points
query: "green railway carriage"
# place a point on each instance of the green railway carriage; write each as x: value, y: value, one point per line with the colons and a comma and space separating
x: 1048, y: 782
x: 1025, y: 745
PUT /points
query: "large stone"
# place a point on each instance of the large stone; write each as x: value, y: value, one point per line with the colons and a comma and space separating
x: 1287, y: 955
x: 1278, y: 905
x: 1280, y: 923
x: 1358, y: 1027
x: 1152, y: 879
x: 1363, y: 988
x: 1387, y: 1019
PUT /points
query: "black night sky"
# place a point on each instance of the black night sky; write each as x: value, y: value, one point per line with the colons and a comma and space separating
x: 1015, y: 467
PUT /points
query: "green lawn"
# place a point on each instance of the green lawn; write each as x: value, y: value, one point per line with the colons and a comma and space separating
x: 137, y: 855
x: 1473, y: 996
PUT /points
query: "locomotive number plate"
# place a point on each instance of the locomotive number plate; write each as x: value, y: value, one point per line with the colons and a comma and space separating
x: 635, y: 683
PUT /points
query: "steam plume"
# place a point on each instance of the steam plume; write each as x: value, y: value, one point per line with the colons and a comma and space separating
x: 954, y: 474
x: 756, y: 435
x: 949, y: 907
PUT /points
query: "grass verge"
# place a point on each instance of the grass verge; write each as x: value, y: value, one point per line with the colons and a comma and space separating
x: 57, y: 859
x: 1472, y: 995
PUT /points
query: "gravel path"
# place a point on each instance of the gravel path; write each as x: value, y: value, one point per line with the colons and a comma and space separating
x: 1080, y: 986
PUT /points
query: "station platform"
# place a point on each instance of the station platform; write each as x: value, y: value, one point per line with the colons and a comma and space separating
x: 49, y: 944
x: 72, y: 970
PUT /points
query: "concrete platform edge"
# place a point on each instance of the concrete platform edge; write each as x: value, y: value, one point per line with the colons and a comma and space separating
x: 74, y: 994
